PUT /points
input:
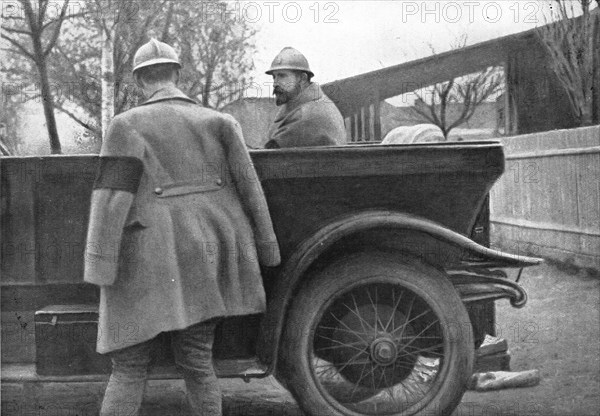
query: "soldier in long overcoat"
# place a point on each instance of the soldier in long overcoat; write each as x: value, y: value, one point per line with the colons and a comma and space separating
x: 178, y: 226
x: 307, y: 116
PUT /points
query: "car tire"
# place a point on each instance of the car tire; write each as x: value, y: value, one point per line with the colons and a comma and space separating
x: 374, y: 333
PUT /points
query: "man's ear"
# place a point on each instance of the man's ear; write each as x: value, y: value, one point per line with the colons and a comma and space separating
x: 304, y: 77
x: 177, y: 76
x: 138, y: 80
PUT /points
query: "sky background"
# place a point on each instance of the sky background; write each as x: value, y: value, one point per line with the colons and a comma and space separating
x: 346, y: 38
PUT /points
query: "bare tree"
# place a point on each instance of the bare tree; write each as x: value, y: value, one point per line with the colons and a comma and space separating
x: 573, y: 48
x: 9, y: 120
x: 95, y: 56
x: 216, y: 53
x: 107, y: 106
x: 32, y: 33
x: 8, y: 141
x: 215, y: 49
x: 467, y: 92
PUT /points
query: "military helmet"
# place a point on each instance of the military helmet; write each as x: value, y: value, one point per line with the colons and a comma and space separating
x: 290, y: 58
x: 153, y: 53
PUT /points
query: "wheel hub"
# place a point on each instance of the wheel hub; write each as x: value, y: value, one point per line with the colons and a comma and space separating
x: 383, y: 351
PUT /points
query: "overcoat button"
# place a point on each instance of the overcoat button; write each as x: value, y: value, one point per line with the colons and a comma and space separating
x: 158, y: 191
x: 219, y: 182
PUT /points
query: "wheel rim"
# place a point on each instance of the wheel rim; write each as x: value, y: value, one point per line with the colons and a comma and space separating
x: 378, y: 349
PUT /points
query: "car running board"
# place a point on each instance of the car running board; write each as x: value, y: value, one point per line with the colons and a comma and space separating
x: 245, y: 369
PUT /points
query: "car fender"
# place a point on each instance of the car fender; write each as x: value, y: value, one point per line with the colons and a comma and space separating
x: 290, y: 276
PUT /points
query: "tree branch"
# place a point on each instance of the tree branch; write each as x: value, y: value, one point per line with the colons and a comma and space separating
x: 165, y: 34
x: 77, y: 119
x: 67, y: 59
x: 30, y: 16
x: 425, y: 115
x: 19, y: 31
x: 42, y: 7
x: 13, y: 18
x: 428, y: 112
x: 24, y: 51
x: 59, y: 23
x: 71, y: 16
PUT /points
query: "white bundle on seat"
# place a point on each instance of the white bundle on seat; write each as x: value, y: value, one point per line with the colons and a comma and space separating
x: 420, y: 133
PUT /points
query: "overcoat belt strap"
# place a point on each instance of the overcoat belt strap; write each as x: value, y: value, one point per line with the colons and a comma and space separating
x: 184, y: 188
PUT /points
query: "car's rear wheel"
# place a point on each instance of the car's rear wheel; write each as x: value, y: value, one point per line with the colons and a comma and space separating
x: 375, y: 335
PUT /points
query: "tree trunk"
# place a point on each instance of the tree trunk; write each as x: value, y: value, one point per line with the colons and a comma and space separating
x: 107, y: 76
x: 47, y: 101
x: 206, y: 87
x: 596, y: 70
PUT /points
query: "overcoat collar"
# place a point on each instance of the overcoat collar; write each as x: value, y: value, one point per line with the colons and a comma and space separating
x: 168, y: 93
x: 311, y: 93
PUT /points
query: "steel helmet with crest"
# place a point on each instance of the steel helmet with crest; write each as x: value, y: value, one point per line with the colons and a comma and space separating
x: 153, y: 53
x: 291, y: 59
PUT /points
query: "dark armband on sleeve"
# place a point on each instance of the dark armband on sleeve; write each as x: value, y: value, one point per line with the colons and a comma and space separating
x: 122, y: 173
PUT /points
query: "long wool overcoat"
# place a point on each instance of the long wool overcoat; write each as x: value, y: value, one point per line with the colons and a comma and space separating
x: 311, y: 119
x: 185, y: 246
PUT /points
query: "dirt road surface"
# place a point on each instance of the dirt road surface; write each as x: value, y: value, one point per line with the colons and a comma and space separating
x: 557, y: 332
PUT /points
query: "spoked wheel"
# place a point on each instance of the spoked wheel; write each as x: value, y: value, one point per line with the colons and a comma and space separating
x: 373, y: 335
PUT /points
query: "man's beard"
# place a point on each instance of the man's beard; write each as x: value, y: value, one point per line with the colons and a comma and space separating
x: 282, y: 96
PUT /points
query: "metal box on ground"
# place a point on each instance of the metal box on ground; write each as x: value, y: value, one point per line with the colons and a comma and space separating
x: 65, y: 341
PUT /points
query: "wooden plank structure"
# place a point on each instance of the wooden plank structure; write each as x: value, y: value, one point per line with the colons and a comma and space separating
x: 548, y: 201
x: 358, y: 98
x: 535, y: 100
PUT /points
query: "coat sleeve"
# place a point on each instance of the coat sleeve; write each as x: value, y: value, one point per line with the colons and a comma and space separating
x: 112, y: 197
x: 253, y: 199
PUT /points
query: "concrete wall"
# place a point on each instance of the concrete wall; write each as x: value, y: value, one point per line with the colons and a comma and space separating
x: 547, y: 203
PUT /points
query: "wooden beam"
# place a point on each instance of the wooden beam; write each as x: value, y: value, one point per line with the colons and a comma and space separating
x: 377, y: 120
x: 360, y: 135
x: 348, y: 128
x: 355, y: 92
x: 367, y: 116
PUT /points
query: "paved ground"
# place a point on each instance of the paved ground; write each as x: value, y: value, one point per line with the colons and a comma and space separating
x: 557, y: 332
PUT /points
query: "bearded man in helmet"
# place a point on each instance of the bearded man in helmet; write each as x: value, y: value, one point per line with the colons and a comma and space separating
x: 175, y: 235
x: 307, y: 117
